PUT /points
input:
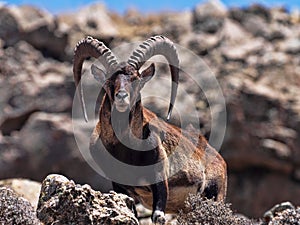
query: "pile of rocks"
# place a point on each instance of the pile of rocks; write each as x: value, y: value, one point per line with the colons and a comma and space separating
x: 61, y: 201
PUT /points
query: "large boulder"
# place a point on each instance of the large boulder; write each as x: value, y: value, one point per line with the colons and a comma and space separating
x: 233, y: 32
x: 96, y: 21
x: 29, y: 82
x: 64, y: 202
x: 201, y: 43
x: 257, y: 20
x: 209, y: 17
x: 261, y: 145
x: 177, y: 25
x: 48, y: 142
x: 291, y: 46
x: 35, y: 26
x: 242, y: 51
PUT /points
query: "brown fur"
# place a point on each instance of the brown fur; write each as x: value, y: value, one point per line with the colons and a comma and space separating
x: 201, y: 165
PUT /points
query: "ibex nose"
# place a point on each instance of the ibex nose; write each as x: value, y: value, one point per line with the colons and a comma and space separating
x: 121, y: 95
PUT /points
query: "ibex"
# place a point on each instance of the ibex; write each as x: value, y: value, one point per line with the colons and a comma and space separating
x: 201, y: 169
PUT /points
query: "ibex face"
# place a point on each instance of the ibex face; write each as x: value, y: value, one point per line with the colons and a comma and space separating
x: 124, y: 86
x: 123, y: 92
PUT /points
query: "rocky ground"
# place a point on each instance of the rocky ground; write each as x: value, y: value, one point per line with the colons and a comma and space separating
x: 253, y: 52
x: 59, y: 200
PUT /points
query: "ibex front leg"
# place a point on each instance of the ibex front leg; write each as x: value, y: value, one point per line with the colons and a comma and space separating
x: 160, y: 190
x: 160, y: 195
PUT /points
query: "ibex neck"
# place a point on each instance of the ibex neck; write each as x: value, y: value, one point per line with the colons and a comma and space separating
x: 121, y: 124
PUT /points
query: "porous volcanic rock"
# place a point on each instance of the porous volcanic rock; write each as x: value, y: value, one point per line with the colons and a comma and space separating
x: 15, y: 210
x: 64, y: 202
x: 27, y: 189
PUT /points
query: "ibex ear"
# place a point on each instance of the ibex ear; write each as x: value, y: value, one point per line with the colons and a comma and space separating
x: 99, y: 74
x: 147, y: 74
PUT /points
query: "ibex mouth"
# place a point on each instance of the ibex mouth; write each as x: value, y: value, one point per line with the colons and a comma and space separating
x: 122, y: 107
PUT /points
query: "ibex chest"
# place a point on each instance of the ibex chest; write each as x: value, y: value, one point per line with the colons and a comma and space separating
x: 130, y: 154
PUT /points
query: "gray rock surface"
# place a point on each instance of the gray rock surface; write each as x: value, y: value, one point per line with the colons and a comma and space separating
x: 27, y: 189
x: 95, y: 20
x: 64, y: 202
x: 209, y: 17
x: 283, y: 213
x: 49, y: 145
x: 35, y: 26
x: 15, y: 210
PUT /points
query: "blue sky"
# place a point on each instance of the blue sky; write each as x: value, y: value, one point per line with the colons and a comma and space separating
x: 57, y: 6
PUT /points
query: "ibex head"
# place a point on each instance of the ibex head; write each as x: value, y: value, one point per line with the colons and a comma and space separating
x: 122, y: 81
x: 124, y: 85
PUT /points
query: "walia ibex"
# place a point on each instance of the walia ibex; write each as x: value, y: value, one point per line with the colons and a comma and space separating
x: 195, y: 167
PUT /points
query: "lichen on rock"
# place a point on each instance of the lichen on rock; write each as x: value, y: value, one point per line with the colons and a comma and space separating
x: 15, y: 210
x: 64, y: 202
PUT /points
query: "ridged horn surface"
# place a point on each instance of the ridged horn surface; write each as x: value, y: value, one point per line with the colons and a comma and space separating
x: 158, y: 45
x: 90, y: 47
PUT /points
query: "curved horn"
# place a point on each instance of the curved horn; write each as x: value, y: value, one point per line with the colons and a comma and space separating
x: 158, y: 45
x: 90, y: 47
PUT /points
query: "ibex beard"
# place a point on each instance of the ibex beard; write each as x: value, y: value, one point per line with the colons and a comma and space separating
x: 123, y: 120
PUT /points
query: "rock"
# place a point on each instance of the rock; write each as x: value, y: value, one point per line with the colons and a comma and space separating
x: 9, y: 27
x: 177, y: 25
x: 295, y: 16
x: 24, y: 188
x: 48, y: 141
x: 272, y: 58
x: 15, y: 122
x: 94, y: 20
x: 51, y: 43
x: 283, y: 213
x: 256, y: 25
x: 31, y: 81
x: 30, y: 18
x: 133, y: 17
x: 291, y: 46
x: 233, y: 32
x: 288, y: 216
x: 266, y: 141
x: 64, y: 202
x: 255, y: 10
x: 15, y: 210
x: 242, y: 51
x: 280, y: 149
x: 237, y: 14
x: 208, y: 17
x: 34, y: 26
x: 279, y: 208
x: 258, y: 183
x: 201, y: 44
x: 257, y: 21
x: 280, y: 15
x: 259, y: 10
